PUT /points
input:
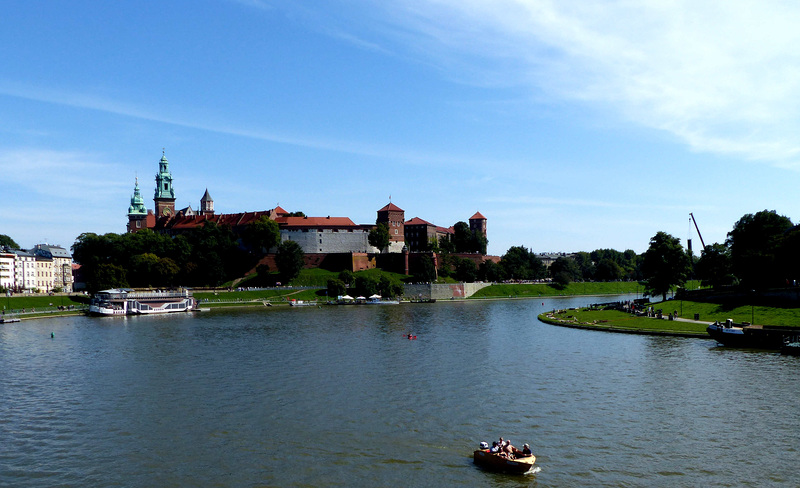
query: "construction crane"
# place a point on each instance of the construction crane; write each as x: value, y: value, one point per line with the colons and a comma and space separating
x: 691, y: 216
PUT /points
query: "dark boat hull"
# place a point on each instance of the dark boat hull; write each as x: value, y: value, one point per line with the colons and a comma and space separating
x: 752, y: 336
x: 494, y: 462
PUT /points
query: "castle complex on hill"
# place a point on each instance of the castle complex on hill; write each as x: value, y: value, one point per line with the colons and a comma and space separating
x: 315, y: 235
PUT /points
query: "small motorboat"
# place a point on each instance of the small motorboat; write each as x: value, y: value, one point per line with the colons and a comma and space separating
x: 496, y: 462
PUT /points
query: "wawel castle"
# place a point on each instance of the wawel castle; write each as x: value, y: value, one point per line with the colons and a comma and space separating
x: 315, y: 235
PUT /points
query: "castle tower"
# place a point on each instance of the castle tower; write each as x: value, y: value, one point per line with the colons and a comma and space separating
x: 165, y: 194
x: 394, y: 218
x: 206, y: 204
x: 137, y: 212
x: 477, y: 223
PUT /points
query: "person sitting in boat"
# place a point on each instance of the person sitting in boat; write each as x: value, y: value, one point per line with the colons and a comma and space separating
x: 526, y: 451
x: 510, y: 450
x: 495, y: 448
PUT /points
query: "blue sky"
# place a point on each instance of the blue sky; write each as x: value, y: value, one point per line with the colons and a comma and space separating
x: 570, y: 125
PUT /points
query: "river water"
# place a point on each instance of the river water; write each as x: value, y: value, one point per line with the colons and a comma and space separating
x: 338, y: 396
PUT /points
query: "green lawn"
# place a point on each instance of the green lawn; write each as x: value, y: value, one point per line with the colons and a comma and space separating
x: 502, y: 290
x: 710, y: 312
x: 612, y: 319
x: 707, y: 312
x: 40, y: 302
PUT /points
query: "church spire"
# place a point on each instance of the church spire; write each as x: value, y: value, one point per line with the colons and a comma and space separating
x: 165, y: 194
x: 137, y: 202
x: 206, y: 204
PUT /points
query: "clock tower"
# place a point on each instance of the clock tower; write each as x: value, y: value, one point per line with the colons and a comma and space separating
x: 165, y: 193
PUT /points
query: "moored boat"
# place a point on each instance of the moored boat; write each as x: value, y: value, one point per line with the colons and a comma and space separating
x: 496, y: 462
x: 727, y: 333
x: 732, y: 334
x: 791, y: 345
x: 125, y: 301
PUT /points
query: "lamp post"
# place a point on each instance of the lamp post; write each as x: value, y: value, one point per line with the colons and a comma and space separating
x: 752, y: 307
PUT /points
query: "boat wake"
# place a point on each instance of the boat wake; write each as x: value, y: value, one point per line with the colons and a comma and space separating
x: 536, y: 469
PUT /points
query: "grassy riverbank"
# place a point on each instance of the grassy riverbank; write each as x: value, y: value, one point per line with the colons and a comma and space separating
x: 707, y: 312
x: 612, y: 320
x: 533, y: 290
x: 36, y: 306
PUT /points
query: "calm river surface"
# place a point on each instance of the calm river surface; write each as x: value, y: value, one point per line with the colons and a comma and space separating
x: 337, y: 396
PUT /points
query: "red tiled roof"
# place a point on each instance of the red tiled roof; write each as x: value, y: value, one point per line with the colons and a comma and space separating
x: 391, y: 206
x: 477, y: 216
x: 445, y: 230
x: 315, y: 222
x: 417, y: 221
x: 232, y: 220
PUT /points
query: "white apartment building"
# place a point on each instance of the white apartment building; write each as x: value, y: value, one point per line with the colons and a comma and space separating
x: 24, y: 270
x: 7, y: 270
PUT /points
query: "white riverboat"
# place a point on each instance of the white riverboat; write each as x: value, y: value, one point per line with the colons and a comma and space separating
x: 125, y: 301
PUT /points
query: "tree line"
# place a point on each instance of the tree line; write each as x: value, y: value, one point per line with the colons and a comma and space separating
x: 206, y: 256
x: 758, y: 252
x: 522, y: 264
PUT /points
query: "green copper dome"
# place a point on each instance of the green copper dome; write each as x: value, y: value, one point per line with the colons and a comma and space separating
x: 164, y: 188
x: 137, y: 202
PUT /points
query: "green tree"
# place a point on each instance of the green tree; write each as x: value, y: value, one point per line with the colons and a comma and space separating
x: 6, y: 241
x: 366, y: 285
x: 336, y: 287
x: 262, y: 235
x: 665, y: 264
x: 464, y: 240
x: 788, y: 256
x: 490, y: 271
x: 754, y: 243
x: 714, y: 266
x: 379, y: 237
x: 519, y: 263
x: 565, y: 270
x: 107, y: 276
x: 423, y: 269
x: 446, y: 245
x: 346, y: 276
x: 389, y: 287
x: 462, y: 237
x: 466, y: 270
x: 289, y: 260
x: 608, y: 270
x: 586, y: 265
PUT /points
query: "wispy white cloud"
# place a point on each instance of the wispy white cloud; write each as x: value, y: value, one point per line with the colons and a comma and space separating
x: 53, y: 195
x: 71, y: 176
x: 722, y: 77
x: 76, y: 99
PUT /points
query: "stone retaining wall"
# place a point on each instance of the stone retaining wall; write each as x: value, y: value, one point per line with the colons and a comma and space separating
x: 442, y: 291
